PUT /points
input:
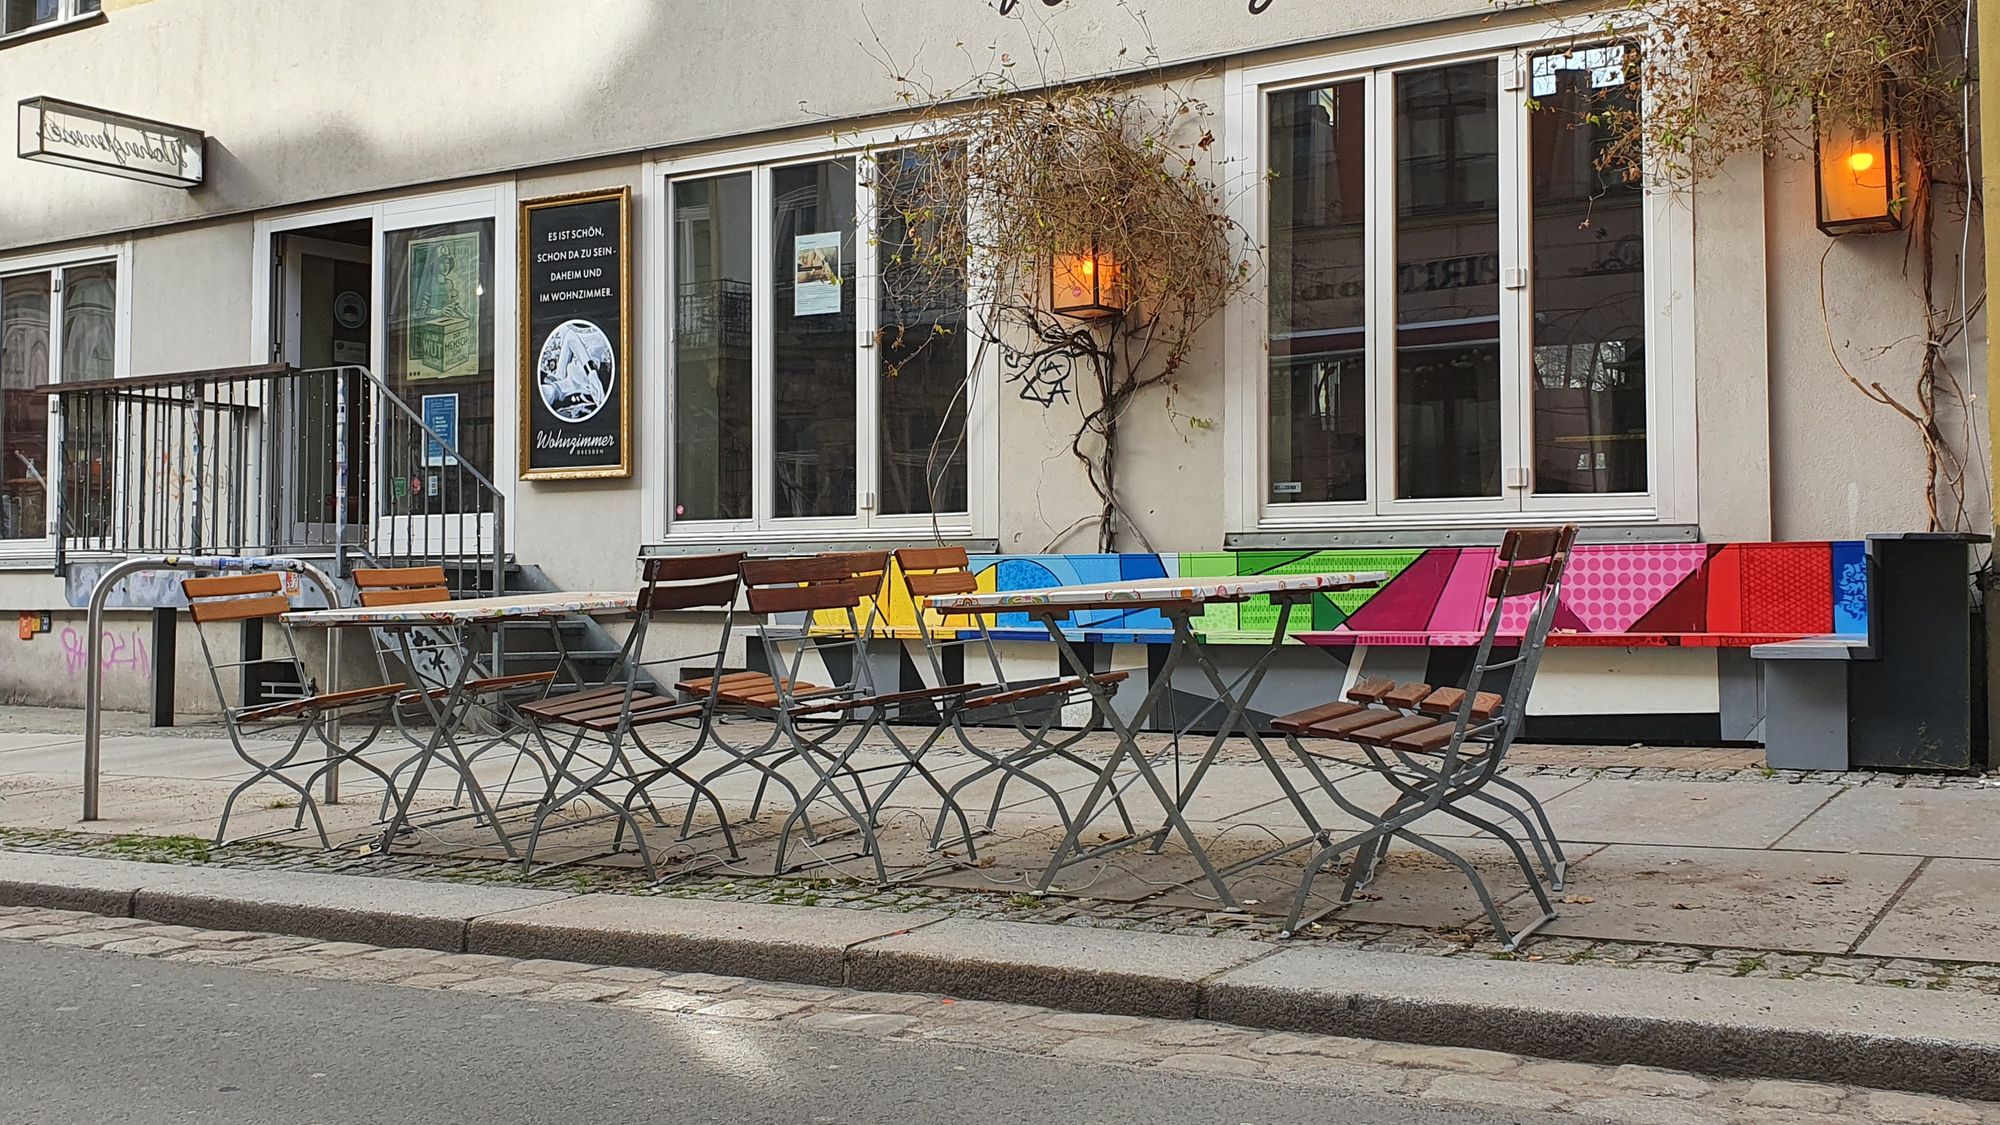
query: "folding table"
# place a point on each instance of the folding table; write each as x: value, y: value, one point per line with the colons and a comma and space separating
x: 462, y: 616
x: 1179, y: 600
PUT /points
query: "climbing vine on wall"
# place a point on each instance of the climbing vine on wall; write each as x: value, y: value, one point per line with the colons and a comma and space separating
x: 1017, y: 166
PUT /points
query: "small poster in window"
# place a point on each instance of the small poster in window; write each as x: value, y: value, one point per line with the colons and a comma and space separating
x: 441, y: 418
x: 444, y: 306
x: 816, y: 274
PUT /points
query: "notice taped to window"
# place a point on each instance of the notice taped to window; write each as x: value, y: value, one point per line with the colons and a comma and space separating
x: 576, y: 339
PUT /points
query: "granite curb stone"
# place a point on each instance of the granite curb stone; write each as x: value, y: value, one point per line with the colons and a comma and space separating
x: 1120, y: 972
x: 800, y: 944
x: 1892, y: 1039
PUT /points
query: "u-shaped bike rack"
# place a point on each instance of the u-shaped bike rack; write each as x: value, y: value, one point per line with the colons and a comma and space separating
x: 93, y: 644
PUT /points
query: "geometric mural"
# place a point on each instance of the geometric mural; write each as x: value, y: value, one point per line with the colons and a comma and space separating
x: 1624, y: 594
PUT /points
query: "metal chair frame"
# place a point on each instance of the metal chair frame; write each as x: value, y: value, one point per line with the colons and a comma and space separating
x: 1437, y: 764
x: 813, y: 718
x: 617, y: 713
x: 259, y: 598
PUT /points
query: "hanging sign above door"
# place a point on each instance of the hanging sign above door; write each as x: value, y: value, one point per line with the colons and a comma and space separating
x: 576, y: 336
x: 77, y: 136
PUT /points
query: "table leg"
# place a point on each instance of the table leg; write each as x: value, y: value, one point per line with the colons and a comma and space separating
x: 1128, y: 748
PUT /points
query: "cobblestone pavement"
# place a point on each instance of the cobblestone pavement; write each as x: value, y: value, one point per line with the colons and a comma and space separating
x: 1444, y: 1075
x: 1016, y: 907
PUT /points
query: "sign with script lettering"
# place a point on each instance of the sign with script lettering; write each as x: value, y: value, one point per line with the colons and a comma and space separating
x: 576, y: 336
x: 77, y: 136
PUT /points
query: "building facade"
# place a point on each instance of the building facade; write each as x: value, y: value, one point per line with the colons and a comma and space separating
x: 1459, y: 322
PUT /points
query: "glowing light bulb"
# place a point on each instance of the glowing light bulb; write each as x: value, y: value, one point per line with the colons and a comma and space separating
x: 1861, y: 162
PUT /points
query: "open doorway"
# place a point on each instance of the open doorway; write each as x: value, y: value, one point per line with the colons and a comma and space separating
x: 323, y: 322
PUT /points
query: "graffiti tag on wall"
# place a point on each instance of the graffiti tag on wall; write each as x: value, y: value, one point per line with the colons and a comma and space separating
x: 127, y: 651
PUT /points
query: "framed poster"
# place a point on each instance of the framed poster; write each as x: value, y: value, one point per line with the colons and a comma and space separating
x: 576, y: 336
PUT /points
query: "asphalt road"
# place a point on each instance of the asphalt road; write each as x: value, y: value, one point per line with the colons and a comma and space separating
x: 97, y: 1039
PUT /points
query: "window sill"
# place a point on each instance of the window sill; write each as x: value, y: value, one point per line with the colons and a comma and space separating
x: 1484, y: 536
x: 803, y: 543
x: 53, y: 27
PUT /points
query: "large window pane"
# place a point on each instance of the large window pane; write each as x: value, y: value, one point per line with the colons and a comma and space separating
x: 19, y: 15
x: 440, y: 326
x: 1318, y: 299
x: 24, y: 416
x: 1448, y: 282
x: 89, y: 351
x: 1590, y: 278
x: 712, y: 348
x: 922, y: 349
x: 813, y: 338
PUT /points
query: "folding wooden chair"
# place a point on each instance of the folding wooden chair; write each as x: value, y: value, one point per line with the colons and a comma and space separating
x: 1441, y: 748
x: 613, y: 717
x: 1035, y: 710
x: 786, y: 594
x: 425, y: 661
x: 260, y: 598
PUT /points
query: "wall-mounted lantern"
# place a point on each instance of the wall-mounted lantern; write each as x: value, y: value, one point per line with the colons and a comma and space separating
x: 1859, y: 177
x: 1087, y: 285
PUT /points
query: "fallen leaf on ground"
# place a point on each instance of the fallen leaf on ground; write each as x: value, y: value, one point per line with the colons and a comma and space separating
x: 1578, y: 900
x: 1686, y: 906
x: 1828, y: 881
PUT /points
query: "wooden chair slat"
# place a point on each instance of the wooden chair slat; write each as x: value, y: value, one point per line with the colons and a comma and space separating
x: 860, y: 564
x: 1435, y: 737
x: 1445, y: 701
x: 933, y: 558
x: 694, y: 595
x: 1346, y: 725
x: 1064, y: 686
x: 845, y: 593
x: 1380, y: 734
x: 794, y: 569
x: 371, y: 578
x: 689, y: 568
x: 239, y: 609
x: 1522, y: 544
x: 942, y: 582
x: 1300, y: 720
x: 1371, y: 689
x: 230, y: 585
x: 331, y: 701
x: 1405, y: 697
x: 1514, y: 581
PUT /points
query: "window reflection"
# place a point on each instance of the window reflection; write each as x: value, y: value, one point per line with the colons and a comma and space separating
x: 1318, y: 446
x: 922, y: 349
x: 712, y: 348
x: 1589, y: 277
x: 1447, y: 282
x: 813, y: 355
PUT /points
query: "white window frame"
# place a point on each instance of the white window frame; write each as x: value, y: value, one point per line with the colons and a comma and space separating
x: 67, y: 12
x: 980, y: 520
x: 494, y: 201
x: 1669, y: 254
x: 120, y: 256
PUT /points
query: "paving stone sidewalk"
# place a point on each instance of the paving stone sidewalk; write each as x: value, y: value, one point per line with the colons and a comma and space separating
x: 1679, y: 863
x: 1310, y: 1062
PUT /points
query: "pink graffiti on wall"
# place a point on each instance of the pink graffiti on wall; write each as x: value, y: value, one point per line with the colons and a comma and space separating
x: 128, y: 652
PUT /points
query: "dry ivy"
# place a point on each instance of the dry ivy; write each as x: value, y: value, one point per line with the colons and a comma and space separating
x: 1725, y: 77
x: 1017, y: 170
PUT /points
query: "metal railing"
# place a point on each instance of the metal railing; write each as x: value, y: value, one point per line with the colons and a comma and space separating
x: 272, y: 460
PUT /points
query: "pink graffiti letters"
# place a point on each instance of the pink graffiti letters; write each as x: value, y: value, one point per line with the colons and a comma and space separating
x: 129, y: 652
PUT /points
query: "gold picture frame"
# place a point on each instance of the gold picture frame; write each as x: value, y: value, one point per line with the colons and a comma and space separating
x: 527, y: 373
